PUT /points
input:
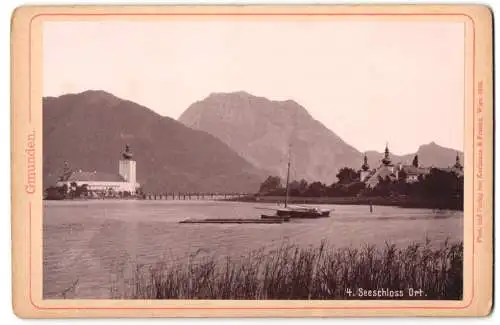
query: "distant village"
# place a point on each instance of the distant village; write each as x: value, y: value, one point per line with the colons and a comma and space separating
x: 395, y: 172
x: 388, y: 183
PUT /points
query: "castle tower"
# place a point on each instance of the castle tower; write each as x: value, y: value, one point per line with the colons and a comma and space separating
x: 458, y: 165
x: 414, y: 163
x: 365, y: 170
x: 127, y: 166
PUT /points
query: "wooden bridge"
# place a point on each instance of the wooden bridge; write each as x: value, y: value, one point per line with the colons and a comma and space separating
x: 193, y: 196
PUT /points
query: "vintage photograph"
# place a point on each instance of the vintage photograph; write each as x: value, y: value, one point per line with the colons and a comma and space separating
x: 234, y: 158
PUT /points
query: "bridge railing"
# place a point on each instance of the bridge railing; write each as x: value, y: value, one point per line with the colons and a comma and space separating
x: 192, y: 195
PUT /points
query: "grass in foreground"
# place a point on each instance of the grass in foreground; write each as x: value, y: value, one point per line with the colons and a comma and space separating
x: 320, y: 272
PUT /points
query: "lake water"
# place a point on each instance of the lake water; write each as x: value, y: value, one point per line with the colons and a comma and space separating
x: 95, y: 242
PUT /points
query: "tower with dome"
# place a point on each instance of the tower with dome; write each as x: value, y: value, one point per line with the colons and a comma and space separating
x: 125, y: 181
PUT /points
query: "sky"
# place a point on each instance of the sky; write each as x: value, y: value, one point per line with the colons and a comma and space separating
x: 369, y: 81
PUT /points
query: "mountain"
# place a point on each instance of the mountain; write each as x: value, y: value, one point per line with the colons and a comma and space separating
x: 261, y: 131
x: 89, y: 130
x: 430, y: 154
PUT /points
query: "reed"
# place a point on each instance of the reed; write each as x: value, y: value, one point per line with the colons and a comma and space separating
x: 321, y: 272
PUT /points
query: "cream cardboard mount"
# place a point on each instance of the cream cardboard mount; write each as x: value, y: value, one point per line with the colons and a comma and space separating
x: 120, y: 135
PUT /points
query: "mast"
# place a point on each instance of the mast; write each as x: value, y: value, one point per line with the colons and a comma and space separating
x: 294, y: 129
x: 287, y: 177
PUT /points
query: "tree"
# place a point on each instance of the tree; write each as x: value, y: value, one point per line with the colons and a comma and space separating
x: 81, y: 190
x: 384, y: 187
x: 55, y: 193
x: 303, y: 186
x: 443, y: 188
x: 294, y: 188
x: 400, y: 186
x: 438, y: 189
x: 355, y: 188
x: 402, y: 175
x: 72, y: 189
x: 316, y: 189
x: 271, y: 184
x: 347, y: 175
x: 415, y: 161
x: 335, y: 189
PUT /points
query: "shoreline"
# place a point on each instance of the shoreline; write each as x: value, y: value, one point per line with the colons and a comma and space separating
x: 375, y: 201
x: 401, y: 202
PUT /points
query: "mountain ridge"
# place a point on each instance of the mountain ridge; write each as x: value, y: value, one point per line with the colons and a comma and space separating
x: 260, y: 130
x: 90, y: 129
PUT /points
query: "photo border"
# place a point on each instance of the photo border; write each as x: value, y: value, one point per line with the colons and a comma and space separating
x: 26, y: 119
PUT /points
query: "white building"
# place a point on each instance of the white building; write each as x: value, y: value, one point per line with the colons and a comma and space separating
x: 124, y: 181
x: 411, y: 173
x: 386, y: 170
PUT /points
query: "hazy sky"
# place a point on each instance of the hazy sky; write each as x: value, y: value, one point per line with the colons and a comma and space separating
x: 368, y: 81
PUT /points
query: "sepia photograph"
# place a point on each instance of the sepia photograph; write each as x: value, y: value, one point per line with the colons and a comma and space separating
x: 246, y: 159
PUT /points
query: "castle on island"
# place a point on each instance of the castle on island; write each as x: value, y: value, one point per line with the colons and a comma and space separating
x: 410, y: 173
x: 124, y: 181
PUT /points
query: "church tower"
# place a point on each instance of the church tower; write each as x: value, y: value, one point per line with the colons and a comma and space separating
x: 127, y: 167
x: 386, y: 161
x: 458, y: 165
x: 365, y: 170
